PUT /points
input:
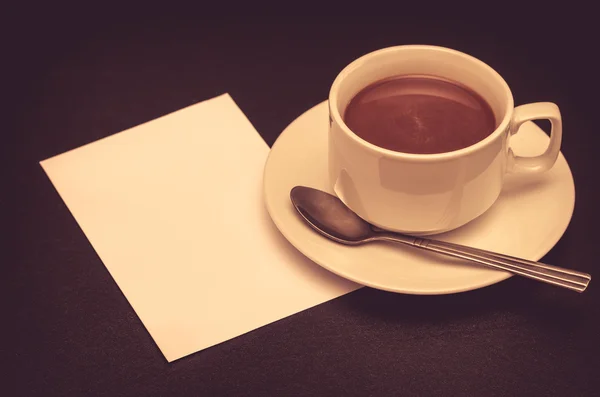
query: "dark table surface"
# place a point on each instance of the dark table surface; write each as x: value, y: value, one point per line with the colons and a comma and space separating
x: 76, y: 77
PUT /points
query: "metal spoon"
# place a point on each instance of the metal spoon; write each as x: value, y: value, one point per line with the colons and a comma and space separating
x: 330, y: 217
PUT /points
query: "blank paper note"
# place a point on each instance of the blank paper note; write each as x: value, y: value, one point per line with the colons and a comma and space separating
x: 174, y: 209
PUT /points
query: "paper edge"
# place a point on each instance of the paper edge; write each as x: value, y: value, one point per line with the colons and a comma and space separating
x: 226, y: 94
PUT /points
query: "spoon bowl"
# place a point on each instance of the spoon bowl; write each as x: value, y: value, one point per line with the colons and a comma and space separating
x: 330, y: 217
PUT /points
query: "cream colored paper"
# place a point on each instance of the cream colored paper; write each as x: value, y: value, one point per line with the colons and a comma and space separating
x: 174, y: 209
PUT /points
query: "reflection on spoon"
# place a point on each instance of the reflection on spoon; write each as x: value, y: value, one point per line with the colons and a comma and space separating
x: 330, y: 217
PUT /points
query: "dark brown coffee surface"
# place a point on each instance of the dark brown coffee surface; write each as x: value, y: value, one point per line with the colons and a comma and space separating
x: 419, y: 114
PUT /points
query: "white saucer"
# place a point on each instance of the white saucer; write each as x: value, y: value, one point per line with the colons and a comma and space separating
x: 527, y: 220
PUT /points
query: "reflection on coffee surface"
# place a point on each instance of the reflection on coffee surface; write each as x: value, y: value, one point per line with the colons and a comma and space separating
x: 419, y: 114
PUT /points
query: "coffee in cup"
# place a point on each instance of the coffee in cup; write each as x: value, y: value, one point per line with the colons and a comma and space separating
x: 419, y: 114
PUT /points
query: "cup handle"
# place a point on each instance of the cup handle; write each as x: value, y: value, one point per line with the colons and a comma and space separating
x: 545, y: 161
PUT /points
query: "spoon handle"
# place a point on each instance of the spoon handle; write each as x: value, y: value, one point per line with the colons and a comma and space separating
x: 571, y: 279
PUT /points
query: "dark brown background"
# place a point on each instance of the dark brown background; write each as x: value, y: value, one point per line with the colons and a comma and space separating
x: 74, y: 77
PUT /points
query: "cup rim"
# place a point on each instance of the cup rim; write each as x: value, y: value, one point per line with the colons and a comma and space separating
x: 335, y: 114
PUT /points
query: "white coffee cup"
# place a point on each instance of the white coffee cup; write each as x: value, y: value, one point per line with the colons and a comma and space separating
x: 429, y: 193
